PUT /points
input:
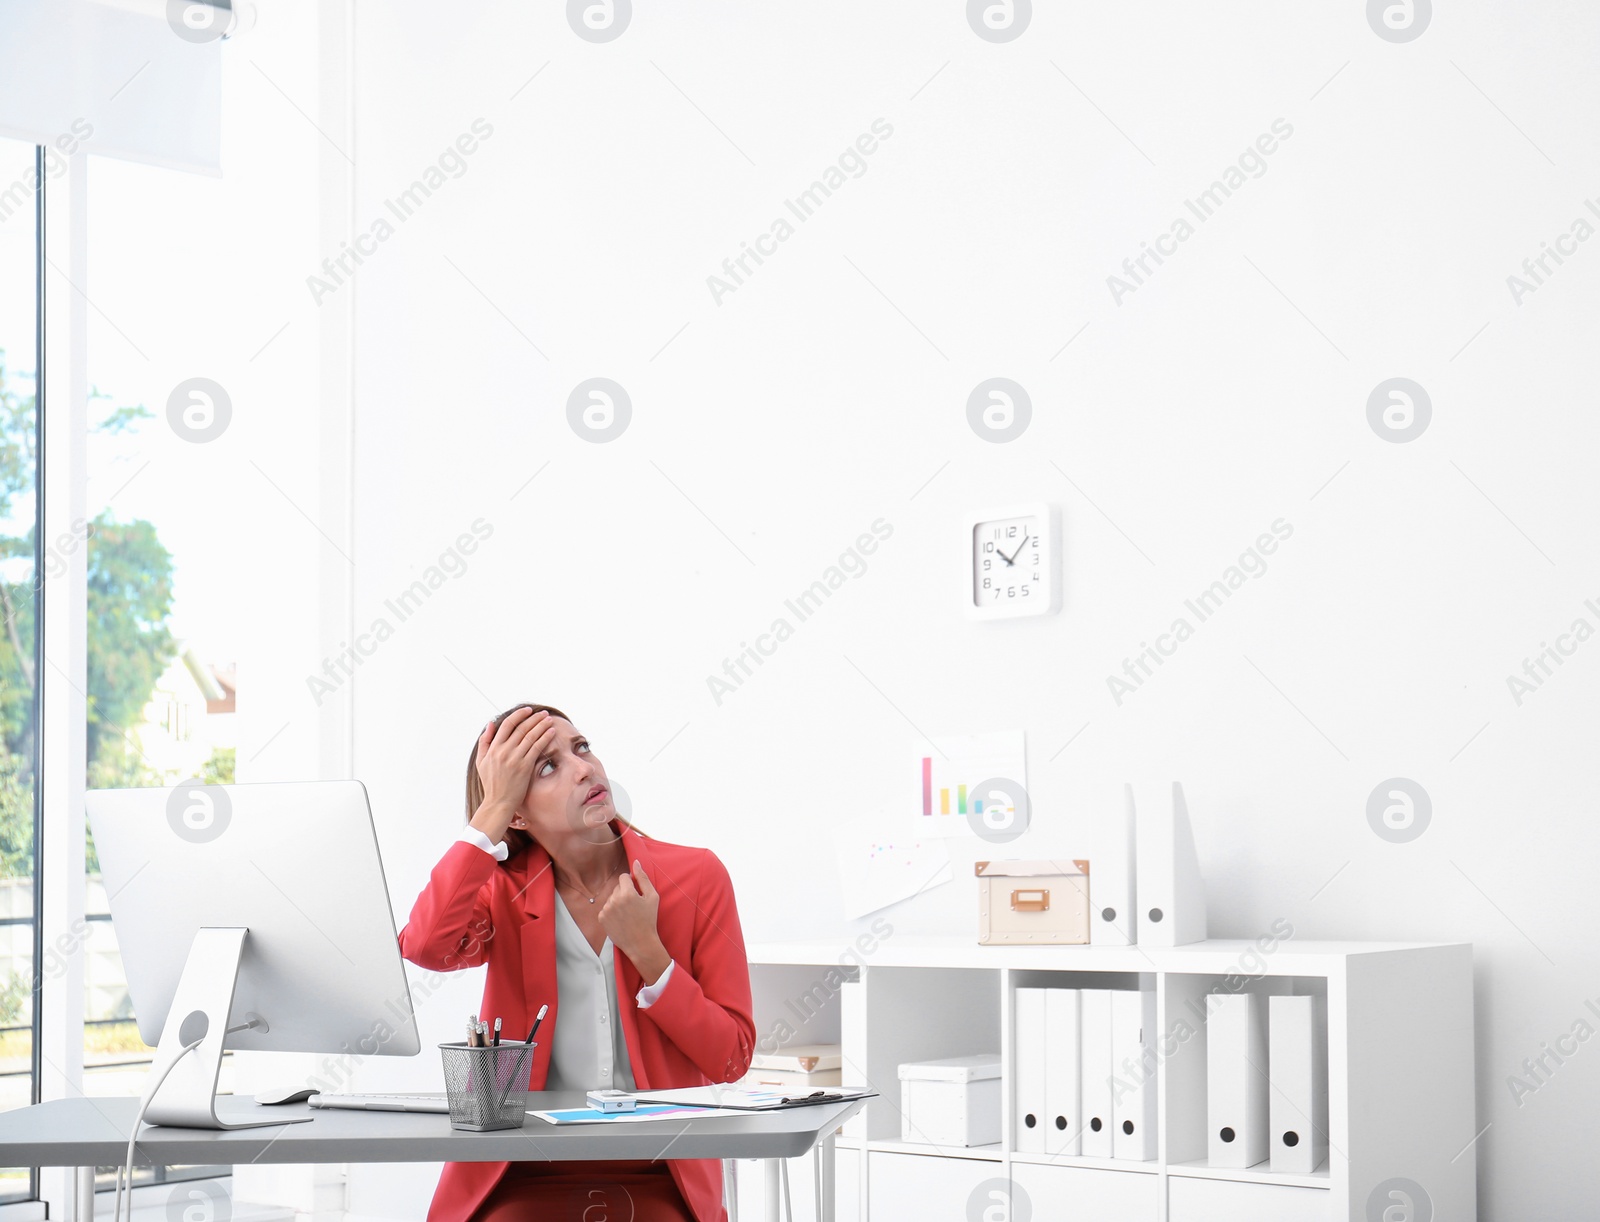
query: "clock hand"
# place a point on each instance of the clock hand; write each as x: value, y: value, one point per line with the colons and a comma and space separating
x: 1013, y: 556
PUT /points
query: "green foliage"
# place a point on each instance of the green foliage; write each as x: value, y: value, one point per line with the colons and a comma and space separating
x: 14, y: 997
x: 130, y: 597
x: 218, y: 770
x: 129, y: 641
x: 16, y: 445
x: 16, y: 818
x: 121, y: 419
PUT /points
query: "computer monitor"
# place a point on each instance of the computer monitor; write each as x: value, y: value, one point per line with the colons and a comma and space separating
x: 250, y: 917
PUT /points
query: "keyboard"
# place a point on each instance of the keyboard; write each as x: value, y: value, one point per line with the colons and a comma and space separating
x: 383, y: 1103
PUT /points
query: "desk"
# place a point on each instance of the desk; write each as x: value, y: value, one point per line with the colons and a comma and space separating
x: 89, y: 1133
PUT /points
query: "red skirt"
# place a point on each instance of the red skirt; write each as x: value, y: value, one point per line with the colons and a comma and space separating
x: 618, y: 1190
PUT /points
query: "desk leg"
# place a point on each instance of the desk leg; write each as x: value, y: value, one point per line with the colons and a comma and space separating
x: 825, y: 1200
x: 83, y: 1194
x: 772, y: 1211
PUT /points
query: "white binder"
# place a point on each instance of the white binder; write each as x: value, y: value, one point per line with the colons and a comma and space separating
x: 1113, y: 917
x: 1133, y: 1068
x: 853, y: 1047
x: 1095, y: 1072
x: 1298, y: 1108
x: 1171, y: 895
x: 1236, y: 1079
x: 1028, y: 1123
x: 1063, y: 1021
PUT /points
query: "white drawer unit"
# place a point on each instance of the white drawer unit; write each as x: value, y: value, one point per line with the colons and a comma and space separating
x: 1085, y: 1194
x: 1394, y: 1013
x: 1197, y: 1200
x: 917, y: 1186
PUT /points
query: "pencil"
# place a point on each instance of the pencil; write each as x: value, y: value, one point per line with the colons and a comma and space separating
x: 539, y: 1018
x: 497, y: 1033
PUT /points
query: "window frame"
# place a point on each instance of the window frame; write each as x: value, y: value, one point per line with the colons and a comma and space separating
x: 25, y: 1205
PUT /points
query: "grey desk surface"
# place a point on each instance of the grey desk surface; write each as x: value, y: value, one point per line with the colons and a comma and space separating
x: 94, y: 1132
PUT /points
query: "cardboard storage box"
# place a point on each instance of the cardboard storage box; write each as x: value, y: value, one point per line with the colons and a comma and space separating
x: 951, y: 1102
x: 1042, y: 902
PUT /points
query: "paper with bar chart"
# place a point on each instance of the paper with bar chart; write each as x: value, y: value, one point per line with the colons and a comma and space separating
x: 954, y: 783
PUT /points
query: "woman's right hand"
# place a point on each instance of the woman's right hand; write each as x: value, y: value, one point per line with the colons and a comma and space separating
x: 506, y: 757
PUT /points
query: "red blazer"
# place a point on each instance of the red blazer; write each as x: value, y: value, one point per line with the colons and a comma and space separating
x: 476, y: 910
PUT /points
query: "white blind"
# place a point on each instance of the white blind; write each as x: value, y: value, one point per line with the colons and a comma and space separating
x: 136, y: 79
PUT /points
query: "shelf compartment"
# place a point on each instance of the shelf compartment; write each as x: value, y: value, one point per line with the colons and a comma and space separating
x: 1181, y: 1017
x: 797, y: 1003
x: 922, y: 1014
x: 1045, y: 978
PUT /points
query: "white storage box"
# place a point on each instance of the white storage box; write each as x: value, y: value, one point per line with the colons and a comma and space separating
x: 951, y: 1102
x: 1042, y: 902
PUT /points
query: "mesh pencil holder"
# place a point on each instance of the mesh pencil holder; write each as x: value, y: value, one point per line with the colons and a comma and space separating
x: 487, y: 1088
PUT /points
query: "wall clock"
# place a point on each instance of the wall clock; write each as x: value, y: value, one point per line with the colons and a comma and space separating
x: 1013, y: 562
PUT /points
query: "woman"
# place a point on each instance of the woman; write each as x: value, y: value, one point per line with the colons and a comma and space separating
x: 633, y: 943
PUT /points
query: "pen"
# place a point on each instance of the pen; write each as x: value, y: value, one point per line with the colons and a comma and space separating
x: 497, y: 1033
x: 539, y: 1018
x: 518, y: 1073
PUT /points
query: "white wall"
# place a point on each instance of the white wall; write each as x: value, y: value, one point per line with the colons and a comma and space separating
x: 829, y: 391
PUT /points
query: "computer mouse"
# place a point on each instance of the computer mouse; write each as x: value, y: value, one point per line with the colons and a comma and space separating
x: 296, y: 1095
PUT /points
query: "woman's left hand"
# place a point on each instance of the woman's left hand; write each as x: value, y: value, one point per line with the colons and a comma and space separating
x: 628, y: 916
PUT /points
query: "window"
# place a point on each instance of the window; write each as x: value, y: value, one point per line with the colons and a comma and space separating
x: 161, y: 677
x: 130, y: 310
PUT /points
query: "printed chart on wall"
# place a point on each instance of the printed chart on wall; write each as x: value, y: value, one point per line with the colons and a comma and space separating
x: 969, y: 785
x: 876, y: 872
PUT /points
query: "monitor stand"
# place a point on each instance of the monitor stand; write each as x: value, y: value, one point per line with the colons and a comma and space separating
x: 200, y: 1007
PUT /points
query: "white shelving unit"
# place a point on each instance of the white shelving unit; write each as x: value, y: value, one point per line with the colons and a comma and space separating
x: 1401, y: 1101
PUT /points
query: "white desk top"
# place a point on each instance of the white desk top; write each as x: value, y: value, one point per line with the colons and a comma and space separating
x: 94, y: 1132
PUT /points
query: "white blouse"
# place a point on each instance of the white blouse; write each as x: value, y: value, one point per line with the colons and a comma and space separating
x: 587, y: 1047
x: 588, y: 1050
